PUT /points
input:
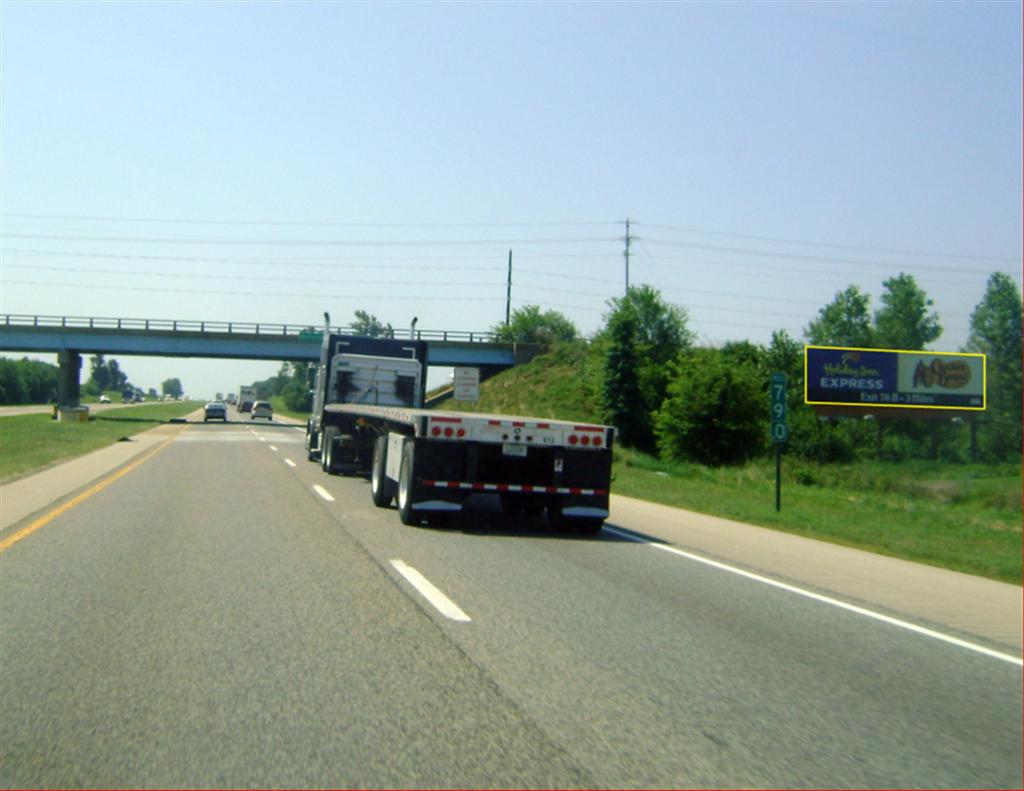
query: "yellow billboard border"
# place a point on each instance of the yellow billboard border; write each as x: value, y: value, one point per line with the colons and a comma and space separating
x: 984, y: 379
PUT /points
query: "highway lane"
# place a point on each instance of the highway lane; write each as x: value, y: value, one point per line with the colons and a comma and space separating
x: 212, y: 619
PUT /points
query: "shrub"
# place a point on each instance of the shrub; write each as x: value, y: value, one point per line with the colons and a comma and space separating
x: 715, y: 412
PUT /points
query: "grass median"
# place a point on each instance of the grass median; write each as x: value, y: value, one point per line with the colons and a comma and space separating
x: 964, y: 517
x: 29, y: 443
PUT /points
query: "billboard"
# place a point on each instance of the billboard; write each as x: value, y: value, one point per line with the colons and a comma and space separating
x: 891, y: 378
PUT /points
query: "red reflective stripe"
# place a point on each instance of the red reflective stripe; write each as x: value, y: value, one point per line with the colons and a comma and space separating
x: 494, y: 422
x: 445, y: 419
x: 526, y: 488
x: 588, y: 428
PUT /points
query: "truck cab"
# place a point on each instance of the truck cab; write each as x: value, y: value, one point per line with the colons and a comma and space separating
x: 368, y: 371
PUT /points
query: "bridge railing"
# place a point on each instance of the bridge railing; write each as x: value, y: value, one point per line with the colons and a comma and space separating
x: 222, y: 327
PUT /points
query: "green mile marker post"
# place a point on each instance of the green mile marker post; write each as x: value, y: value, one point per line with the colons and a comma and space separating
x: 779, y: 429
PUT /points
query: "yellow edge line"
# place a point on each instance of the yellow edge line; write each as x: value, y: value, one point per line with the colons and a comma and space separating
x: 94, y: 489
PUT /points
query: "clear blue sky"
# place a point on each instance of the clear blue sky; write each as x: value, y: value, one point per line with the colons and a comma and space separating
x: 270, y: 161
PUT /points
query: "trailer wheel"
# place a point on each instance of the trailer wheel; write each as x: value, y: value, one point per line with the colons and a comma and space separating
x: 382, y: 488
x: 327, y: 450
x: 311, y: 452
x: 404, y: 494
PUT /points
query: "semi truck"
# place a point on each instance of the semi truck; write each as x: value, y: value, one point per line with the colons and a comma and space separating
x: 246, y: 397
x: 368, y: 418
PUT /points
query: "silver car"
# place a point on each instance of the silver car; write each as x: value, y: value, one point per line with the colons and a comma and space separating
x: 262, y: 409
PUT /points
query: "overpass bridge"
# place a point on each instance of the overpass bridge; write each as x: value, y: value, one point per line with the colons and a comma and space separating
x: 71, y: 336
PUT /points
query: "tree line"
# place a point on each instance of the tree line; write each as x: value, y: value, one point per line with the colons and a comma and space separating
x: 28, y: 381
x: 669, y: 397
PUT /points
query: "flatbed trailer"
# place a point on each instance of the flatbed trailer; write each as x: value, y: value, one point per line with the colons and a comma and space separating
x: 431, y: 461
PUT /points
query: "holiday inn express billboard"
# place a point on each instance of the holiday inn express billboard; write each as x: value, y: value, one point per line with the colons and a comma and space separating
x: 891, y: 378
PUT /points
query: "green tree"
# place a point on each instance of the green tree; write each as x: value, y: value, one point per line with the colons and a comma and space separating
x: 904, y: 321
x: 12, y: 389
x: 371, y: 326
x: 118, y: 378
x: 172, y: 387
x: 996, y: 332
x: 786, y: 355
x: 528, y: 325
x: 621, y: 401
x: 99, y: 374
x: 661, y: 326
x: 659, y: 335
x: 715, y: 411
x: 845, y: 321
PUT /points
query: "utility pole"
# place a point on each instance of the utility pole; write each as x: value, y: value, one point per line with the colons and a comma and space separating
x: 625, y: 255
x: 508, y: 292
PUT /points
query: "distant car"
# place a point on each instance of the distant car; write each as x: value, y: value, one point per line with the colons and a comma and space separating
x: 104, y: 399
x: 262, y: 409
x: 215, y: 410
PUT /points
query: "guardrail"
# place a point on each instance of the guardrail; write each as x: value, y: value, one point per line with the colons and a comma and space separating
x: 223, y: 327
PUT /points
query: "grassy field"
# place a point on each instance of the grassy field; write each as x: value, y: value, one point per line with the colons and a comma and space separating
x: 961, y: 517
x: 277, y: 402
x: 31, y: 442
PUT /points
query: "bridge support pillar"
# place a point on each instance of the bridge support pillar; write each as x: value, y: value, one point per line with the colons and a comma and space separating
x: 68, y: 393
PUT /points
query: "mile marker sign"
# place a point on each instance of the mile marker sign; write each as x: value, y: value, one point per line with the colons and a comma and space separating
x: 779, y: 428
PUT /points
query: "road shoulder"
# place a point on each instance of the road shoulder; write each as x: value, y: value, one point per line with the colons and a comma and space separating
x: 961, y: 603
x: 27, y: 496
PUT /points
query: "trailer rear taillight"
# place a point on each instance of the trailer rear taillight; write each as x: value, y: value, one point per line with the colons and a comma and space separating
x: 446, y: 427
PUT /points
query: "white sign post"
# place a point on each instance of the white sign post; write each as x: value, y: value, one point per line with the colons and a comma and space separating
x: 467, y: 384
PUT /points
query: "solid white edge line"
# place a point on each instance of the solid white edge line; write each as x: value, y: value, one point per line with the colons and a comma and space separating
x: 323, y: 492
x: 289, y: 462
x: 442, y: 603
x: 827, y: 600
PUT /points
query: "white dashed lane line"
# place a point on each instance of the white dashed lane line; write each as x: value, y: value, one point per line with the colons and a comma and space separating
x: 323, y: 492
x: 428, y: 591
x: 289, y: 462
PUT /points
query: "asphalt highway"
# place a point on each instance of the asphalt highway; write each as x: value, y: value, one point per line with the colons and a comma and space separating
x: 225, y: 614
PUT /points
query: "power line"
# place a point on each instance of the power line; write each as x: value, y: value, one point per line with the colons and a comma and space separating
x: 316, y: 261
x: 310, y: 243
x: 315, y: 224
x: 930, y: 254
x: 258, y: 278
x: 798, y: 257
x: 275, y: 294
x: 332, y: 263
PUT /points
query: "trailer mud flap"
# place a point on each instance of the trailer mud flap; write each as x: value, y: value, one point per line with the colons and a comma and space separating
x: 394, y: 460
